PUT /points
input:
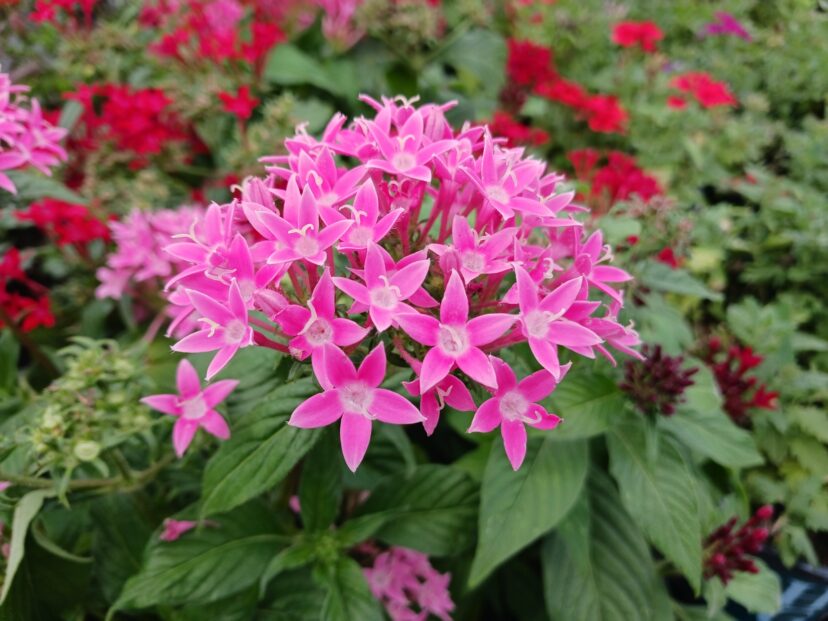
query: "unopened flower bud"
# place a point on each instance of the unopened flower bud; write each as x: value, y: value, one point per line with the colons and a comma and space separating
x: 86, y: 450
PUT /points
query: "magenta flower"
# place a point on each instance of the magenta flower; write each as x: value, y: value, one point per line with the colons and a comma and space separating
x: 726, y: 24
x: 355, y: 399
x: 474, y: 254
x: 227, y: 328
x: 405, y: 154
x: 587, y: 258
x: 455, y: 339
x: 384, y: 295
x: 193, y: 407
x: 173, y: 529
x: 543, y: 322
x: 513, y: 406
x: 366, y: 225
x: 448, y: 391
x: 296, y: 235
x: 316, y: 329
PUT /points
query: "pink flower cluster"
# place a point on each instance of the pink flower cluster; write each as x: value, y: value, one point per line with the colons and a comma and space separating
x: 26, y: 138
x: 439, y: 244
x: 409, y: 587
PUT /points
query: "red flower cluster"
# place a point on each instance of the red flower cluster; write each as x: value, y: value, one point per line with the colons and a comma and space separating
x: 619, y: 179
x: 740, y: 392
x: 657, y: 383
x: 65, y: 223
x: 530, y: 68
x: 23, y: 300
x: 708, y: 92
x: 214, y: 30
x: 49, y: 10
x: 642, y: 34
x: 241, y: 104
x: 139, y: 121
x: 727, y: 551
x: 515, y: 132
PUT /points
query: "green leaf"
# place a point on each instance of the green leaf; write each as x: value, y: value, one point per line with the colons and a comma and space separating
x: 661, y: 496
x: 760, y: 593
x: 701, y: 424
x: 811, y: 420
x: 320, y: 489
x: 261, y: 451
x: 597, y: 566
x: 205, y: 565
x: 517, y: 507
x: 292, y: 596
x: 588, y: 403
x: 32, y: 186
x: 433, y: 509
x: 292, y: 557
x: 348, y: 596
x: 287, y: 65
x: 9, y: 355
x: 479, y: 58
x: 24, y: 512
x: 69, y: 114
x: 661, y: 277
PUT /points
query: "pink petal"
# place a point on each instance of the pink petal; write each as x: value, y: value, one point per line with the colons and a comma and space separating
x: 183, y: 433
x: 570, y: 334
x: 293, y: 319
x: 372, y: 369
x: 220, y: 360
x: 354, y: 436
x: 506, y: 379
x: 322, y: 298
x: 186, y: 378
x: 339, y: 370
x: 347, y: 332
x: 461, y: 234
x: 514, y: 441
x: 409, y: 278
x: 236, y: 302
x: 214, y: 424
x: 198, y: 342
x: 430, y: 410
x: 486, y: 418
x: 216, y: 393
x: 454, y: 309
x: 317, y: 411
x: 421, y: 328
x: 537, y: 386
x: 547, y: 421
x: 562, y: 298
x: 486, y: 328
x: 209, y: 308
x: 389, y: 407
x: 607, y: 273
x: 354, y: 289
x: 382, y: 318
x: 163, y: 403
x: 366, y: 201
x: 476, y: 365
x: 547, y: 355
x: 333, y: 233
x: 527, y: 290
x: 436, y: 365
x: 457, y: 395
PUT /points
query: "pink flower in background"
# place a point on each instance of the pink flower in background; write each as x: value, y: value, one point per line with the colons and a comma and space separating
x: 338, y: 23
x: 514, y: 405
x: 455, y: 339
x: 408, y: 586
x: 173, y: 529
x: 354, y: 398
x: 193, y: 406
x: 726, y: 24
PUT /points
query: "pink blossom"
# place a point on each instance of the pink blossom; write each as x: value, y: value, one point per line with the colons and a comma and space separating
x: 474, y: 254
x: 454, y: 339
x: 448, y: 391
x: 726, y: 24
x: 173, y: 529
x: 514, y: 405
x: 193, y: 406
x: 366, y: 225
x: 355, y: 399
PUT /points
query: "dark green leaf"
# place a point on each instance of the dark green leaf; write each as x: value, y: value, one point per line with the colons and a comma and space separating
x: 348, y: 596
x: 588, y: 403
x: 24, y: 512
x: 517, y: 507
x: 292, y: 596
x: 320, y: 489
x: 661, y: 277
x: 761, y: 593
x: 33, y: 186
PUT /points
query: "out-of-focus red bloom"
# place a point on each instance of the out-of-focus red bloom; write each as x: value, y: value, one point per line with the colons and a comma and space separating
x: 23, y: 299
x: 668, y: 257
x: 657, y: 384
x: 65, y: 223
x: 584, y: 162
x: 528, y: 63
x: 740, y: 391
x: 604, y: 114
x: 676, y: 102
x: 728, y: 552
x: 563, y: 91
x: 708, y: 92
x: 49, y: 10
x: 516, y: 133
x: 241, y: 104
x: 642, y: 34
x: 621, y: 178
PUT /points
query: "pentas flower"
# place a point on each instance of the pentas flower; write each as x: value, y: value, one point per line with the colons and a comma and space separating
x: 241, y: 105
x: 709, y: 93
x: 727, y: 25
x: 352, y: 238
x: 355, y: 399
x: 515, y: 132
x: 173, y: 529
x: 514, y: 405
x: 66, y: 223
x: 193, y: 407
x: 528, y: 63
x: 644, y: 34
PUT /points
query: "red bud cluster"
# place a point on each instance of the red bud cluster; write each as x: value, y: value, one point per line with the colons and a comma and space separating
x: 657, y: 383
x: 728, y: 552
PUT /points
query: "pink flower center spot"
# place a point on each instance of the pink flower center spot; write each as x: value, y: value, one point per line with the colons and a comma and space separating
x: 234, y: 331
x: 306, y: 246
x: 318, y: 332
x: 193, y: 409
x: 513, y: 405
x: 473, y: 261
x: 385, y: 297
x: 403, y: 161
x: 453, y: 340
x: 356, y: 398
x: 246, y: 288
x: 537, y: 323
x: 361, y: 235
x: 497, y: 194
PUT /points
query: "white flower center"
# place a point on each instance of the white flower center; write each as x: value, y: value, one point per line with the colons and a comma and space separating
x: 497, y: 194
x: 356, y: 398
x: 194, y: 409
x: 318, y: 332
x: 473, y: 261
x: 513, y: 405
x: 453, y: 340
x: 306, y: 246
x: 361, y: 235
x: 403, y: 161
x: 537, y: 323
x: 234, y: 331
x: 385, y: 296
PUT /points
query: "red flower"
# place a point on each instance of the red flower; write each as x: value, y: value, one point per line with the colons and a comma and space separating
x: 241, y: 104
x: 668, y: 257
x: 728, y: 551
x: 604, y: 114
x: 504, y: 124
x: 584, y: 162
x: 704, y: 89
x: 528, y: 63
x: 66, y: 223
x: 26, y: 302
x: 643, y: 34
x: 563, y: 91
x: 676, y: 102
